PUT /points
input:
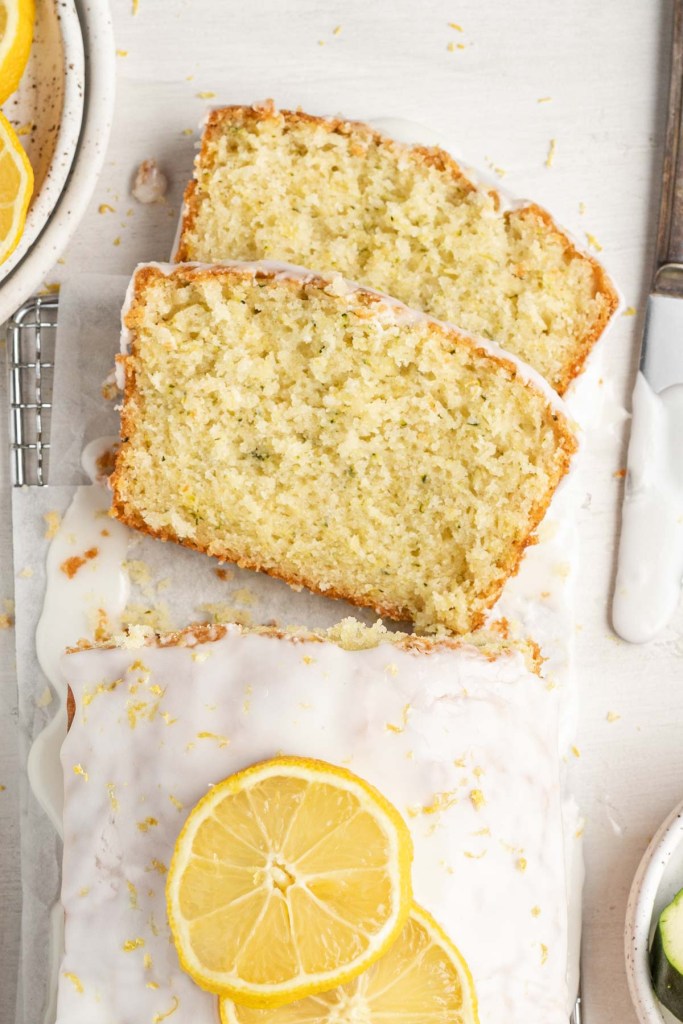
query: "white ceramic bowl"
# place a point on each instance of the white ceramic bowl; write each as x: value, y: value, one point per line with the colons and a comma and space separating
x: 47, y: 109
x: 658, y: 878
x: 68, y: 178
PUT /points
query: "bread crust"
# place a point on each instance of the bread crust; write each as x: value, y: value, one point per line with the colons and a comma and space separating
x: 147, y: 275
x: 430, y: 156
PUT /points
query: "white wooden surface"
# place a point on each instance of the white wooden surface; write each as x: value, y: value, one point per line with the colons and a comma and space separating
x: 604, y: 68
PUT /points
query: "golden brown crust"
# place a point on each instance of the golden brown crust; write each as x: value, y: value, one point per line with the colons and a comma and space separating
x: 147, y: 275
x: 431, y: 156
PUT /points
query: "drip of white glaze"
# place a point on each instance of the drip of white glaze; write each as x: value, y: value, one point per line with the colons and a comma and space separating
x: 71, y: 606
x: 648, y: 584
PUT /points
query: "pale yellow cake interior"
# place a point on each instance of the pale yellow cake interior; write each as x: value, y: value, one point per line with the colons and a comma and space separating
x: 294, y: 428
x: 274, y: 187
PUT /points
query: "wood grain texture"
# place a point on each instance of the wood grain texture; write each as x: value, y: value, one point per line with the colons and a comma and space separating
x: 604, y: 69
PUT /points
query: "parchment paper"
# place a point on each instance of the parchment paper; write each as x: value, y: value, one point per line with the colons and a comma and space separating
x: 172, y: 586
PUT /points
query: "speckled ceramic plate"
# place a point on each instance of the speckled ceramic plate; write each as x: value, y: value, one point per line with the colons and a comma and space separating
x: 47, y: 112
x: 658, y: 879
x: 67, y: 93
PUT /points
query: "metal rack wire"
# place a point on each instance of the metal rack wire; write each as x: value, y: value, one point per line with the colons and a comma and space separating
x: 31, y: 335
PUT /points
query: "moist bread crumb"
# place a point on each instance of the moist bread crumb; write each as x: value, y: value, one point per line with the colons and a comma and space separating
x: 298, y: 425
x: 407, y: 220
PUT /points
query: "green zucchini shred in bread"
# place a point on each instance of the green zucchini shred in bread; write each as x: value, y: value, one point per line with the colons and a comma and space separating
x: 406, y: 220
x: 301, y: 426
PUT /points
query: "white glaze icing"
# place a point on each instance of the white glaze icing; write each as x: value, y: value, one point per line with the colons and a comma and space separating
x: 67, y: 616
x: 139, y: 724
x: 648, y: 584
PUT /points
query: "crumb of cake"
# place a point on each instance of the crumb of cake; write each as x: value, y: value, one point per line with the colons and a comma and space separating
x: 50, y: 289
x: 158, y: 866
x: 117, y: 240
x: 147, y: 824
x: 477, y: 799
x: 535, y: 911
x: 132, y: 895
x: 582, y: 208
x: 454, y: 24
x: 544, y: 99
x: 78, y: 769
x: 75, y: 981
x: 122, y: 53
x: 478, y: 772
x: 451, y: 47
x: 167, y: 718
x: 308, y: 660
x: 84, y: 890
x: 109, y: 388
x: 135, y: 6
x: 113, y: 800
x: 474, y: 856
x: 499, y: 171
x: 321, y: 42
x: 391, y: 669
x: 619, y: 474
x: 562, y: 569
x: 336, y: 30
x: 158, y: 1017
x: 439, y: 802
x: 26, y: 573
x: 45, y: 698
x: 187, y: 131
x: 222, y: 741
x: 139, y: 573
x: 70, y: 566
x: 8, y: 605
x: 130, y: 944
x: 147, y: 962
x: 176, y: 802
x: 150, y: 184
x: 52, y: 520
x: 221, y: 612
x: 200, y: 656
x: 593, y: 242
x: 521, y: 864
x: 544, y: 953
x: 482, y: 832
x: 550, y: 159
x: 2, y: 788
x: 630, y: 311
x: 104, y: 533
x: 461, y: 46
x: 243, y: 596
x: 157, y: 618
x: 25, y: 129
x: 612, y: 716
x: 6, y: 621
x: 223, y: 574
x: 206, y: 95
x: 105, y: 208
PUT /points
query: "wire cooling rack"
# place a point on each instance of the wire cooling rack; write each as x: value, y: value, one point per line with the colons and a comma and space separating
x: 31, y: 335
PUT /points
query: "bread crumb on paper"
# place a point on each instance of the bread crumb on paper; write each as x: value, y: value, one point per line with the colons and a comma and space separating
x: 552, y: 148
x: 53, y: 520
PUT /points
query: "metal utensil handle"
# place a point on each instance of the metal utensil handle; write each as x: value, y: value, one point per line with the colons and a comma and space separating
x: 669, y: 249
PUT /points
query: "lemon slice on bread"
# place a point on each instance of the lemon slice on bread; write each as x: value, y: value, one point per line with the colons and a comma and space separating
x: 289, y: 878
x: 16, y: 35
x: 421, y: 978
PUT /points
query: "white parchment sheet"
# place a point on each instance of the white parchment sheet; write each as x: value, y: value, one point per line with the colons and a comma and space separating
x: 172, y: 586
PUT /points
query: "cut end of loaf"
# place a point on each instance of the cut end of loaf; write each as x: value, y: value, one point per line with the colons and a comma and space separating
x: 300, y: 426
x: 405, y: 220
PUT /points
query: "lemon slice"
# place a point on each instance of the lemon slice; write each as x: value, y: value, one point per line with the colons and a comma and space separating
x: 16, y: 34
x: 16, y: 187
x: 422, y: 978
x: 288, y: 878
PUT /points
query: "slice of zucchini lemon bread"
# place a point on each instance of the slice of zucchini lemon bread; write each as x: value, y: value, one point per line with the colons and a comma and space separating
x: 329, y: 435
x: 337, y: 195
